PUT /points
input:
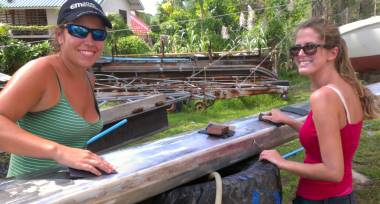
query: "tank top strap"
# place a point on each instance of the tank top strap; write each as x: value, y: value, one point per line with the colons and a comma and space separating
x: 59, y: 83
x: 89, y: 81
x: 343, y: 101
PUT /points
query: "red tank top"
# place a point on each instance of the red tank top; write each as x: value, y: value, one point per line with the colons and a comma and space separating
x: 318, y: 190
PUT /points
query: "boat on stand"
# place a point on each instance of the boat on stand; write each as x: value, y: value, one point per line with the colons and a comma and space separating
x: 363, y: 40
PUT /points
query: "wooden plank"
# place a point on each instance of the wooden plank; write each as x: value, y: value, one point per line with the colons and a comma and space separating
x: 121, y: 111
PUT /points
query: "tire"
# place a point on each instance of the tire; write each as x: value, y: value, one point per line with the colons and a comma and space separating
x: 259, y: 183
x: 175, y: 107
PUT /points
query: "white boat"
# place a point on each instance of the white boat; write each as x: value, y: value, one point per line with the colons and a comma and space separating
x: 363, y: 41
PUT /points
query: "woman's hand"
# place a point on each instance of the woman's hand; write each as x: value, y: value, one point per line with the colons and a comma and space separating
x: 277, y: 116
x: 81, y: 159
x: 273, y: 157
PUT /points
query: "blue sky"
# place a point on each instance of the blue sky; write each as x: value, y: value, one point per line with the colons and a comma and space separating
x: 150, y: 6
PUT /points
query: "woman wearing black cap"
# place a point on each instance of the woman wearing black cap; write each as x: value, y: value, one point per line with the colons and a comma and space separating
x: 51, y: 98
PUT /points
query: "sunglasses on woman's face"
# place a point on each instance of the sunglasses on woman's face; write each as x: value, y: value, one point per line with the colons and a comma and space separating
x: 82, y: 32
x: 309, y: 49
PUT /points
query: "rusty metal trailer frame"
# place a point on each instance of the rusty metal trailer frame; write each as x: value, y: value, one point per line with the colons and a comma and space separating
x: 206, y: 77
x: 180, y: 90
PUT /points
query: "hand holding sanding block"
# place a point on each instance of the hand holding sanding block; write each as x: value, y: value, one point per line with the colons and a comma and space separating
x: 269, y: 121
x: 77, y: 174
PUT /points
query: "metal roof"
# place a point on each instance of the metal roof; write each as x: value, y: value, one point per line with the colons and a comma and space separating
x: 35, y: 4
x: 136, y: 5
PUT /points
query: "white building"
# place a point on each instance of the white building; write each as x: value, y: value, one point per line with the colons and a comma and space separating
x: 45, y: 12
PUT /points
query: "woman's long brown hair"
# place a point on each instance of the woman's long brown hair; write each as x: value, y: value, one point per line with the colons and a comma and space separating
x: 329, y: 33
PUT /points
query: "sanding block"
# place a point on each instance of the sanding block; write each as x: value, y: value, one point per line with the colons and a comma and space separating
x: 77, y: 174
x: 295, y: 110
x: 268, y: 121
x: 218, y: 130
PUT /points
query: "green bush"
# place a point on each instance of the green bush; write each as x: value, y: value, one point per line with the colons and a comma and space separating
x: 23, y: 52
x: 4, y: 34
x: 132, y: 45
x: 8, y: 55
x: 15, y: 53
x: 41, y: 49
x: 119, y: 29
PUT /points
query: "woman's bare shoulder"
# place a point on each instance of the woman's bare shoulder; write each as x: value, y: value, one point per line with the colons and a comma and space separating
x: 324, y: 100
x: 323, y: 94
x: 31, y: 82
x: 41, y: 66
x: 34, y: 76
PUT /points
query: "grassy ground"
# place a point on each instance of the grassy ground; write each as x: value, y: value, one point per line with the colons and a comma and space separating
x: 367, y: 162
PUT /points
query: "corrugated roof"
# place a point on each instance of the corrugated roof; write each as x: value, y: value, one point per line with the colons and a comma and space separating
x: 136, y: 4
x: 24, y: 4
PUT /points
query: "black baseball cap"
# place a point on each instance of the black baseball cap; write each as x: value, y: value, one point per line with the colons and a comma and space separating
x: 73, y: 9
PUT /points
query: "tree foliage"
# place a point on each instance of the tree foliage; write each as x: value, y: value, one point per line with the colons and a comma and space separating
x: 345, y: 11
x: 197, y: 25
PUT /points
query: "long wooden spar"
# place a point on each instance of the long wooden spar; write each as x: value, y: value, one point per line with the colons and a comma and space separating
x: 154, y: 167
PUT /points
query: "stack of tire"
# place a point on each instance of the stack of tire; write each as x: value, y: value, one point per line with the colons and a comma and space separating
x: 248, y: 182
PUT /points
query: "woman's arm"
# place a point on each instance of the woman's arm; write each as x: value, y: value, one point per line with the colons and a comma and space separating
x: 326, y: 116
x: 279, y: 117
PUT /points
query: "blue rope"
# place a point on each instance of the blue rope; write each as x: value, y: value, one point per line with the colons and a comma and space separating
x: 108, y: 130
x: 292, y: 153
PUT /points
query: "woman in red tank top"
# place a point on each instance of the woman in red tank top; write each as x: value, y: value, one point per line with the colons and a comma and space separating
x: 331, y: 131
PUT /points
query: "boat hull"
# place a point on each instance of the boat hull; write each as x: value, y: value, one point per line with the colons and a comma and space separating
x: 366, y: 63
x: 363, y: 40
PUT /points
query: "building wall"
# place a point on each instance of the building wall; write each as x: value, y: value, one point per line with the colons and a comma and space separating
x: 52, y: 15
x: 109, y: 6
x: 113, y: 6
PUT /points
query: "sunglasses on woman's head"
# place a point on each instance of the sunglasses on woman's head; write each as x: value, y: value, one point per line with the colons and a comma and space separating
x: 309, y: 49
x: 82, y: 32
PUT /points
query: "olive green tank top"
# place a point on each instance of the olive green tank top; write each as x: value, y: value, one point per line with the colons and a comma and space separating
x: 60, y: 124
